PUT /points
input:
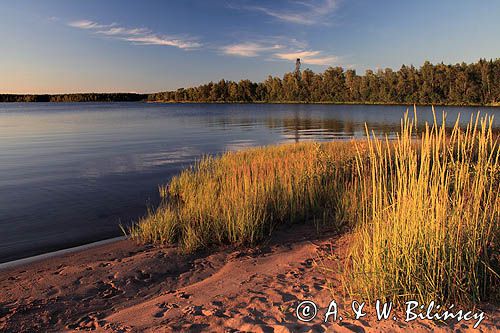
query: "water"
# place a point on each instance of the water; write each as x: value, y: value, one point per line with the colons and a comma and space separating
x: 71, y: 173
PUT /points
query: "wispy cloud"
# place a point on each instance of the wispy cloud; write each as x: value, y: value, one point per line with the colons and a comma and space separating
x: 307, y: 13
x: 309, y: 57
x: 164, y: 41
x: 137, y: 36
x: 116, y: 31
x: 271, y: 47
x: 248, y: 49
x: 279, y: 48
x: 88, y: 25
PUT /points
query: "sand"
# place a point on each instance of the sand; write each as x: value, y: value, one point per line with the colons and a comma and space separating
x: 122, y: 287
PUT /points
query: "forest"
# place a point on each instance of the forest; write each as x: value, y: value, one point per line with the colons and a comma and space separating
x: 459, y: 84
x: 85, y: 97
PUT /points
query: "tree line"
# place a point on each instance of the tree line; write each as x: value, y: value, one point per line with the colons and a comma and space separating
x: 476, y: 83
x: 461, y: 84
x: 85, y: 97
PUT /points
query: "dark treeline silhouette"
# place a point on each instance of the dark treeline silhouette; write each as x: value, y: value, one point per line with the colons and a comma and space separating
x: 461, y: 84
x: 476, y: 83
x: 85, y: 97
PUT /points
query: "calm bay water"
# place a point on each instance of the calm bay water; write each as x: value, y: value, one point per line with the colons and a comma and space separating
x: 71, y: 173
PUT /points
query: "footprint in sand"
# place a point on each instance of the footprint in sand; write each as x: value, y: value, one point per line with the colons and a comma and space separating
x: 92, y: 321
x: 253, y: 299
x: 353, y: 327
x: 193, y: 310
x: 109, y: 290
x: 51, y: 291
x: 198, y: 327
x: 318, y: 286
x: 308, y: 263
x: 304, y: 288
x: 217, y: 303
x: 257, y: 292
x: 164, y: 308
x: 221, y: 313
x: 182, y: 294
x: 286, y: 297
x: 142, y: 276
x: 104, y: 264
x: 294, y: 274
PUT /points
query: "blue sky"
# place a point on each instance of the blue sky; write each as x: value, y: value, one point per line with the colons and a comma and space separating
x: 145, y: 46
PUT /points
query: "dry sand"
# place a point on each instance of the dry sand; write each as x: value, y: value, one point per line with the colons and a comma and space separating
x: 122, y: 287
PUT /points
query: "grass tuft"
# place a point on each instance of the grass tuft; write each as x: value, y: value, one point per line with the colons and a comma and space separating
x: 240, y: 197
x: 429, y: 224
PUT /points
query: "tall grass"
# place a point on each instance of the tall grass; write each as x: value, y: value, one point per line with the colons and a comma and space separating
x: 429, y: 226
x: 240, y: 197
x: 424, y: 211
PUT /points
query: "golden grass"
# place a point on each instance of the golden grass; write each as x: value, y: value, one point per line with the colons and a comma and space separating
x: 240, y: 197
x: 424, y: 212
x: 429, y: 226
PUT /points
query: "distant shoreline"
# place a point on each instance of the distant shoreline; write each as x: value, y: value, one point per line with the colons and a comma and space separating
x: 461, y: 84
x: 332, y: 103
x: 261, y: 102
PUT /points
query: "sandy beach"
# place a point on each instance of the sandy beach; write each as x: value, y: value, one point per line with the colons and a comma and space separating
x: 125, y: 287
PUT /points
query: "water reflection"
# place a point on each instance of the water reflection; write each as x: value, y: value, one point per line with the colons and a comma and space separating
x: 337, y: 122
x: 69, y: 173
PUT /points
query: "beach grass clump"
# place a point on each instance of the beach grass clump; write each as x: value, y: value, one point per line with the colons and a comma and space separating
x: 240, y: 197
x: 429, y: 226
x: 424, y: 208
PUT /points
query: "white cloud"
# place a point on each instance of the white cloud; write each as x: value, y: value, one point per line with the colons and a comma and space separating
x: 308, y: 57
x: 113, y: 31
x: 137, y: 36
x: 248, y: 49
x: 86, y: 24
x: 273, y: 47
x: 295, y: 55
x: 278, y: 48
x: 164, y: 41
x: 307, y: 13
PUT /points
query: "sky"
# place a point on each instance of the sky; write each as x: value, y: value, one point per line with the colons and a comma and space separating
x: 61, y: 46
